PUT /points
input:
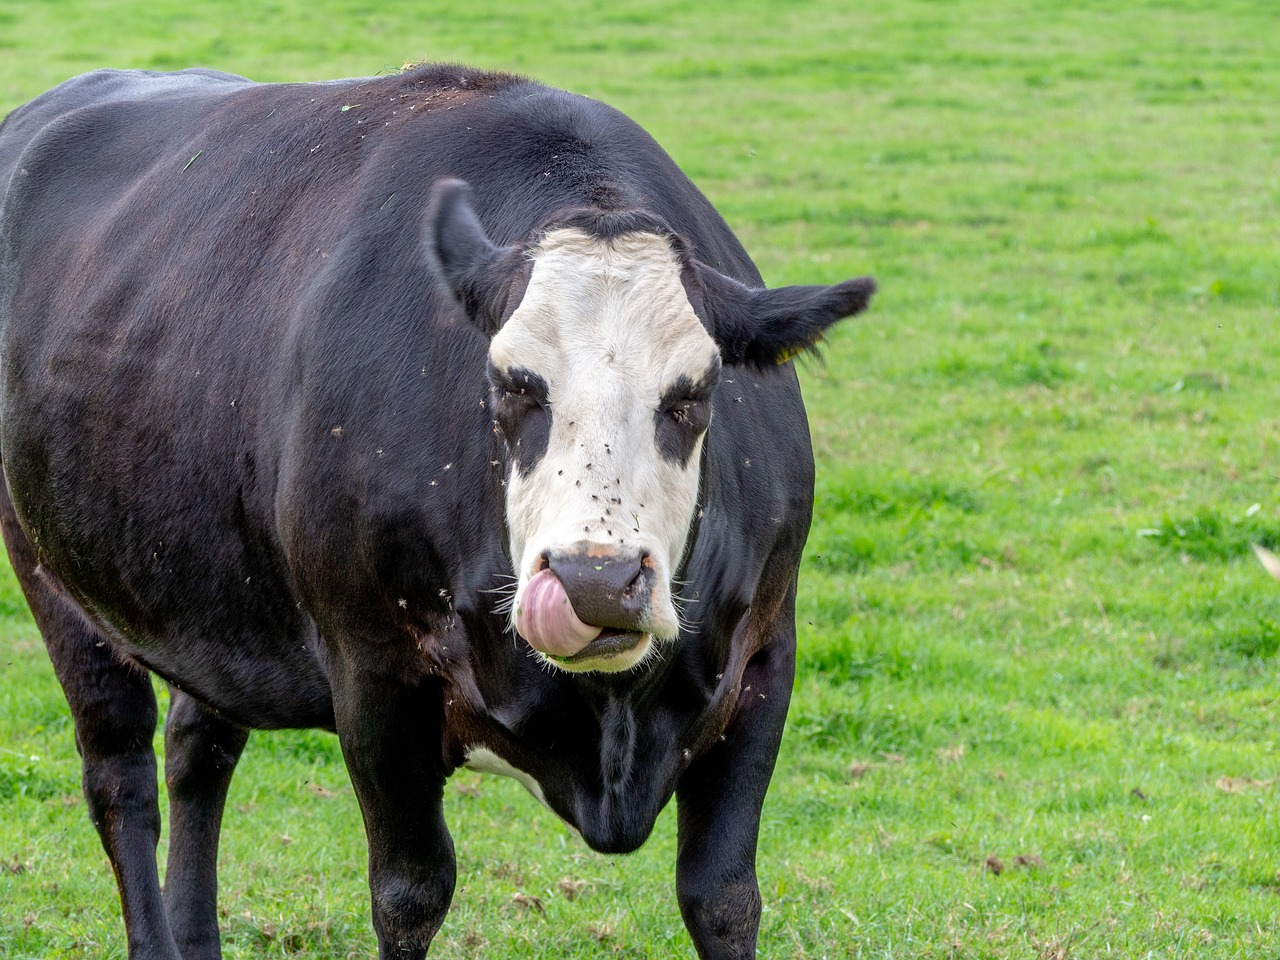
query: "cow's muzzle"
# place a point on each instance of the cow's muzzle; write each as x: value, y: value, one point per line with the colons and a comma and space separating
x: 607, y: 588
x: 589, y: 607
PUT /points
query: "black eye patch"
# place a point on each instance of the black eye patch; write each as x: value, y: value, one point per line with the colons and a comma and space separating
x: 518, y: 382
x: 523, y: 414
x: 683, y: 415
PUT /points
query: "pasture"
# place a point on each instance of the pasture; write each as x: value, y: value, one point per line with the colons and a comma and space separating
x: 1036, y: 710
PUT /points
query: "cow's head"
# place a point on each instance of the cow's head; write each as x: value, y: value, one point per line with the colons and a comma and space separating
x: 606, y: 344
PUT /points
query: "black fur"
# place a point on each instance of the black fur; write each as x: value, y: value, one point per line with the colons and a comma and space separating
x: 523, y: 414
x: 762, y: 327
x: 483, y: 278
x: 683, y: 414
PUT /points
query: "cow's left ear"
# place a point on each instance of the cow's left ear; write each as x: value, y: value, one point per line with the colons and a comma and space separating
x: 487, y: 280
x: 764, y: 327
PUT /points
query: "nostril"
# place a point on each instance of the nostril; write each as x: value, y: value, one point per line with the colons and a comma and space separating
x: 646, y: 560
x: 640, y: 580
x: 543, y: 564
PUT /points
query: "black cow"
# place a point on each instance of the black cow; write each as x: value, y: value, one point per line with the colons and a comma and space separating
x: 512, y: 474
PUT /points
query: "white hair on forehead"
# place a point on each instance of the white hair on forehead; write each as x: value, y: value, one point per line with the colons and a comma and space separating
x: 620, y: 300
x: 630, y: 265
x: 611, y: 253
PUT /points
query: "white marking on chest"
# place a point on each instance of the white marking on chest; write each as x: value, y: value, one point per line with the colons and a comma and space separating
x: 483, y: 760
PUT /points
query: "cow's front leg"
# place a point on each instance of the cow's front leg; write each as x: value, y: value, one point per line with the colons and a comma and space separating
x: 391, y: 740
x: 720, y: 798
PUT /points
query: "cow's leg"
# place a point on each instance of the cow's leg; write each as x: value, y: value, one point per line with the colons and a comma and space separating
x: 114, y: 709
x: 719, y: 801
x: 200, y: 750
x: 391, y: 740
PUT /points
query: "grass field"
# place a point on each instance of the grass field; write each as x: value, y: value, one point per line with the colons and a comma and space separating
x: 1036, y: 714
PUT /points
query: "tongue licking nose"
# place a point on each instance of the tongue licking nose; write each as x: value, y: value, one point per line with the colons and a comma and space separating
x: 546, y: 620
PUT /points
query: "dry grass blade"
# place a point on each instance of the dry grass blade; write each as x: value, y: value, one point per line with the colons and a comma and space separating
x: 1269, y: 560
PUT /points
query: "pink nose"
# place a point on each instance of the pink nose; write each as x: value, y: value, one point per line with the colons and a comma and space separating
x: 546, y: 619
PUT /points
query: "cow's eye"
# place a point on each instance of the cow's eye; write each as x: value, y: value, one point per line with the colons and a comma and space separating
x: 681, y: 419
x: 517, y: 397
x: 691, y: 411
x: 517, y: 411
x: 518, y: 389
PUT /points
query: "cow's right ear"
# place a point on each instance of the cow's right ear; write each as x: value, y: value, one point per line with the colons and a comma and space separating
x: 487, y: 280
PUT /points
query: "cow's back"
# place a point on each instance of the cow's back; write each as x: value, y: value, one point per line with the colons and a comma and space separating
x: 89, y: 90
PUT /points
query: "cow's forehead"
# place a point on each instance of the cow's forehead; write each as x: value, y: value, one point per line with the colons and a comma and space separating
x: 593, y: 302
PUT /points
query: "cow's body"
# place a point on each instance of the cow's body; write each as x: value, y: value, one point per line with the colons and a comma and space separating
x: 250, y: 443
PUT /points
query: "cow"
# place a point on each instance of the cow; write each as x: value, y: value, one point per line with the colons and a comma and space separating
x: 439, y: 410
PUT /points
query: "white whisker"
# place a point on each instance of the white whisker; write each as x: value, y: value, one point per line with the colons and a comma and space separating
x: 653, y: 658
x: 682, y: 604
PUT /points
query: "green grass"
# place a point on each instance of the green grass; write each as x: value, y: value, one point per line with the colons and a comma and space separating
x: 1036, y: 715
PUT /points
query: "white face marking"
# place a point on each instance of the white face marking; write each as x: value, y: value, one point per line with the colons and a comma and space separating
x: 608, y: 327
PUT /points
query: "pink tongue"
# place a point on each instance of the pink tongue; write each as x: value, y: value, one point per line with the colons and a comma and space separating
x: 545, y: 618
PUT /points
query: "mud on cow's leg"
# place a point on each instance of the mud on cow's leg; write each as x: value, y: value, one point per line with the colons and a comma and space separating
x: 114, y: 709
x: 391, y: 740
x: 201, y: 752
x: 719, y: 802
